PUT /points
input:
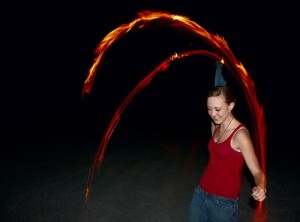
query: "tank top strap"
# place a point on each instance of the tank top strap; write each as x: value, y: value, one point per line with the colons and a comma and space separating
x: 236, y: 129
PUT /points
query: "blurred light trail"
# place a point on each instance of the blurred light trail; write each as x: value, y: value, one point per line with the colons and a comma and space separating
x: 221, y: 51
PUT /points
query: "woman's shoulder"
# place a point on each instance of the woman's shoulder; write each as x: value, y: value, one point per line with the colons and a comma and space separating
x: 241, y: 137
x: 241, y: 131
x: 241, y: 126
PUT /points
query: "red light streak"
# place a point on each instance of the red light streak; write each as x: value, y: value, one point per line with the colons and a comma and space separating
x: 221, y: 52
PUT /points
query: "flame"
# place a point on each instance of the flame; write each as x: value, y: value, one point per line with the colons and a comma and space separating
x: 221, y: 52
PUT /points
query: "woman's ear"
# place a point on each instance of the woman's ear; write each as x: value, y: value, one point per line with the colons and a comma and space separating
x: 231, y: 105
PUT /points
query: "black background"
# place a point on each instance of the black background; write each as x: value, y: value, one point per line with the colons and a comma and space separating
x: 48, y: 48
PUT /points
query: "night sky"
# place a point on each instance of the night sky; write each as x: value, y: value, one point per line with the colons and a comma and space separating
x: 48, y: 48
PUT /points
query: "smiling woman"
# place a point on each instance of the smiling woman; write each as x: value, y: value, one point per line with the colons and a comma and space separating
x: 229, y: 147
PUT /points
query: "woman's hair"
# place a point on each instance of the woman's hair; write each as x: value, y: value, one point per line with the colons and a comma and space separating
x: 225, y: 91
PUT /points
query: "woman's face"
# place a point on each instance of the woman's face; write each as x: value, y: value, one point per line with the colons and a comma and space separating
x: 217, y: 109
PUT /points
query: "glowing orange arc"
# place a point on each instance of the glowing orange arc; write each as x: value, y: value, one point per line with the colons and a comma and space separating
x: 222, y: 51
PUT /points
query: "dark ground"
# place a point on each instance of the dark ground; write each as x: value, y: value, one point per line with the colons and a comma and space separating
x: 145, y: 176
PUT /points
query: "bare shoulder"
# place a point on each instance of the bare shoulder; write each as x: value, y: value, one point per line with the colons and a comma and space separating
x: 241, y: 139
x: 242, y: 131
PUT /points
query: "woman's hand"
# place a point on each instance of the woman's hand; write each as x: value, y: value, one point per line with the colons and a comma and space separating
x: 258, y: 193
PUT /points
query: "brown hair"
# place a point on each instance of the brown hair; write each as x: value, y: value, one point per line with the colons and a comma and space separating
x: 225, y: 91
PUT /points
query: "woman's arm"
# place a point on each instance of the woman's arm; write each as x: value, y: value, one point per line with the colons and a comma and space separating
x: 243, y: 142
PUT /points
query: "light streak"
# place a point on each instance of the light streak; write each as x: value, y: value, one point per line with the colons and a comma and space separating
x: 221, y: 51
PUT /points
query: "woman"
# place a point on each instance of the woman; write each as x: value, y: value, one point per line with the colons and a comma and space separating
x: 216, y: 197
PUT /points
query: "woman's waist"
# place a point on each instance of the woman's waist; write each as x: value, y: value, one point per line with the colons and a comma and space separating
x: 228, y: 189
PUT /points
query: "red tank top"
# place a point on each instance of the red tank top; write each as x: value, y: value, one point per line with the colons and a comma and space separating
x: 223, y: 174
